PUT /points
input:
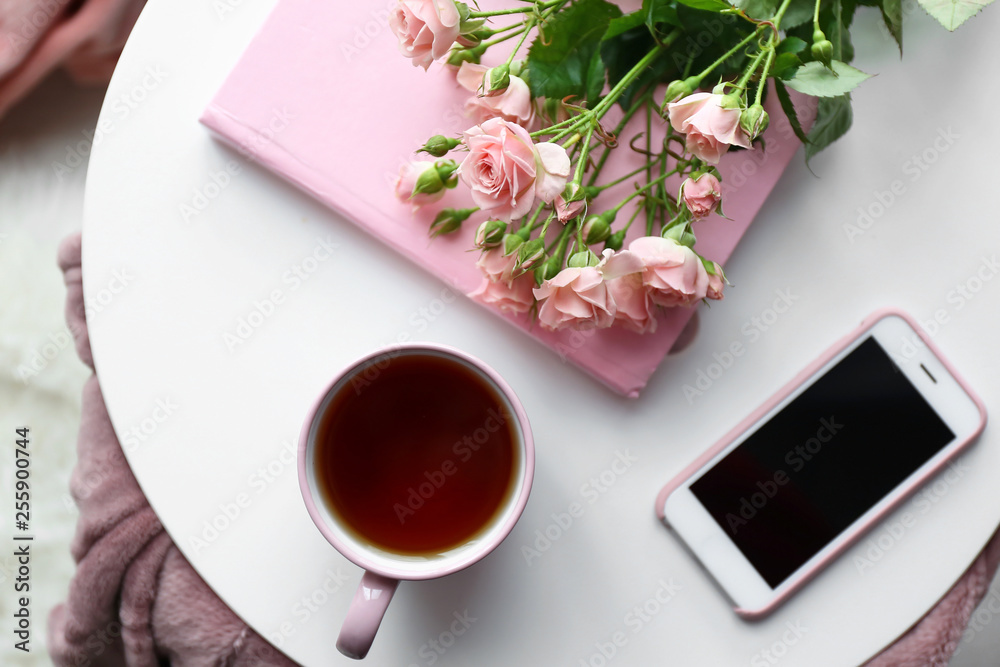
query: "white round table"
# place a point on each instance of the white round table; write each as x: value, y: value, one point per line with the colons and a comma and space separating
x: 900, y: 214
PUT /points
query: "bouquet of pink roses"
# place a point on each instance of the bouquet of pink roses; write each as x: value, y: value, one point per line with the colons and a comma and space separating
x: 545, y: 120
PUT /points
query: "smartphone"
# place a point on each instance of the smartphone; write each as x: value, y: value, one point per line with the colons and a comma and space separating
x: 822, y: 461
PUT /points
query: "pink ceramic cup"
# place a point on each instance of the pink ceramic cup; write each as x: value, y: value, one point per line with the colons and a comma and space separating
x: 383, y: 569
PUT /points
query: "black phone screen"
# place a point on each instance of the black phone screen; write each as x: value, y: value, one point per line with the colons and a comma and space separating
x: 819, y: 464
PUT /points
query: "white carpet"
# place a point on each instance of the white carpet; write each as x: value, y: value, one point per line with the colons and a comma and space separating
x: 40, y: 374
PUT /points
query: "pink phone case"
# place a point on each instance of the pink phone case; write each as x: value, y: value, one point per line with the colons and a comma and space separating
x: 808, y: 371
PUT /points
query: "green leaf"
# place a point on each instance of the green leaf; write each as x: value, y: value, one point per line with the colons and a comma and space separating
x: 892, y: 15
x: 791, y: 45
x: 625, y: 23
x: 953, y: 13
x: 656, y: 12
x: 837, y: 33
x: 595, y: 77
x: 798, y: 12
x: 815, y: 79
x: 758, y: 9
x: 833, y: 119
x: 566, y: 59
x: 785, y: 66
x: 789, y: 109
x: 707, y: 5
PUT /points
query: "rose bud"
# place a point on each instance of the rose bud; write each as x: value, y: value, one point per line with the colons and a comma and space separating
x: 675, y: 91
x: 531, y: 253
x: 701, y: 195
x: 548, y: 269
x: 596, y: 229
x: 439, y: 145
x: 496, y: 80
x: 583, y: 258
x: 458, y: 56
x: 437, y: 178
x: 615, y: 241
x: 490, y: 234
x: 754, y: 121
x: 511, y: 242
x: 822, y: 48
x: 449, y: 220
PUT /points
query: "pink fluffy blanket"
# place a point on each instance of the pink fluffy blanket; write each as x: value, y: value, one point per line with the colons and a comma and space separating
x: 83, y: 36
x: 135, y: 600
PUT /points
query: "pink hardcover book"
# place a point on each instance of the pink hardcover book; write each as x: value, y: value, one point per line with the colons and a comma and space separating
x: 323, y: 98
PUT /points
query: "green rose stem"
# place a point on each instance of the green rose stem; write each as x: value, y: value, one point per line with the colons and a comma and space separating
x: 650, y: 210
x: 558, y: 247
x: 528, y: 25
x: 781, y: 13
x: 517, y: 10
x: 742, y: 83
x: 763, y: 75
x: 523, y: 28
x: 545, y: 225
x: 591, y: 116
x: 643, y: 100
x: 638, y: 191
x: 529, y: 223
x: 627, y: 176
x: 730, y: 52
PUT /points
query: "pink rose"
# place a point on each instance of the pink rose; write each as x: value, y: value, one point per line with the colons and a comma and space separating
x: 633, y: 303
x: 513, y: 104
x: 426, y: 29
x: 673, y: 273
x: 710, y: 128
x: 634, y: 309
x: 505, y: 170
x: 515, y: 297
x: 715, y: 284
x: 408, y: 175
x: 702, y: 195
x: 575, y: 297
x: 497, y: 267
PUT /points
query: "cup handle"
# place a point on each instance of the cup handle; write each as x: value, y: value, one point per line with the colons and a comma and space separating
x: 365, y: 614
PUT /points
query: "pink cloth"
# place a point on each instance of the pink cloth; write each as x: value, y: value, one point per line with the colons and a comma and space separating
x: 37, y: 36
x: 135, y: 600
